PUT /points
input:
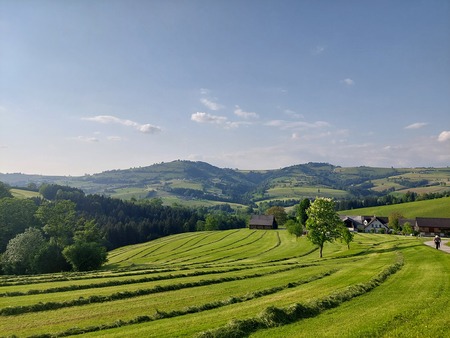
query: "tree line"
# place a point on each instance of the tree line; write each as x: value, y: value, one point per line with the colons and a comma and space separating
x: 68, y: 230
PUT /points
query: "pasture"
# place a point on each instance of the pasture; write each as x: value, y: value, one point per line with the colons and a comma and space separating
x: 21, y: 193
x: 240, y: 283
x: 439, y: 207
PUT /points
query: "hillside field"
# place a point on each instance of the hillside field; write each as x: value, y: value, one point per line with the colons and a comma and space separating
x: 241, y: 283
x: 439, y: 207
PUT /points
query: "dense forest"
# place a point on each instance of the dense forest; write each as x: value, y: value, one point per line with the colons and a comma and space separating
x: 67, y: 219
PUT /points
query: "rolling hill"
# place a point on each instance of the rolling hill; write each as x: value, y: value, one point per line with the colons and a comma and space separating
x: 202, y: 183
x: 439, y: 207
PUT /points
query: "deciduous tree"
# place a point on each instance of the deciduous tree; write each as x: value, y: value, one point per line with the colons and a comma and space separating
x: 294, y: 228
x: 394, y: 220
x: 323, y: 222
x: 21, y: 251
x: 346, y: 235
x: 407, y: 228
x: 301, y: 213
x: 279, y: 213
x: 85, y: 256
x: 59, y: 219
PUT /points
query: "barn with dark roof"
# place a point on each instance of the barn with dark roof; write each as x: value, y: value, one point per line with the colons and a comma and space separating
x: 265, y: 222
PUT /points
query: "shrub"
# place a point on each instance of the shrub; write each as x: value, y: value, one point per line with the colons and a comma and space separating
x: 85, y: 256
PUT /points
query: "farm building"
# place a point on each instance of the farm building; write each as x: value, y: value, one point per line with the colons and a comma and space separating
x: 366, y: 223
x: 432, y: 226
x: 263, y: 222
x: 376, y: 224
x: 423, y: 225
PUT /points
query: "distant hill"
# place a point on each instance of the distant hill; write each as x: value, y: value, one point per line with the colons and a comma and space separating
x: 200, y: 182
x: 439, y: 207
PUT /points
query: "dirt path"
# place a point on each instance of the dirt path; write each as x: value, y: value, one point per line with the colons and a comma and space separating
x: 443, y: 247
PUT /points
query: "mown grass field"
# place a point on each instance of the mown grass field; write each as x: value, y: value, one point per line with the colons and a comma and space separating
x: 20, y: 193
x: 304, y: 192
x: 439, y: 207
x: 240, y: 283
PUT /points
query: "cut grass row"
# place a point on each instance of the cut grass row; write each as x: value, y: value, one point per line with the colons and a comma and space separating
x: 190, y: 309
x: 191, y: 324
x: 412, y: 303
x: 127, y: 309
x: 239, y: 285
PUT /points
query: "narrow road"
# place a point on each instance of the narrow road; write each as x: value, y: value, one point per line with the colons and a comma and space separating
x: 443, y: 247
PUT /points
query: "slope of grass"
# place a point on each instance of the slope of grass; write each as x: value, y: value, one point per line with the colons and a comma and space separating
x: 439, y: 207
x: 195, y: 284
x: 20, y: 193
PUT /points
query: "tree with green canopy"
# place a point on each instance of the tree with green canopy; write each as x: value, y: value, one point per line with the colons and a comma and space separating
x: 323, y: 224
x: 300, y: 211
x: 21, y: 252
x: 15, y: 216
x: 85, y: 256
x: 294, y: 228
x: 346, y: 235
x: 394, y: 218
x: 4, y: 190
x: 59, y: 219
x: 279, y: 213
x: 407, y: 228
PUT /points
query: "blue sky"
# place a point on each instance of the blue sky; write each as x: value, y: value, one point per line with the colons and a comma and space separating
x: 88, y: 86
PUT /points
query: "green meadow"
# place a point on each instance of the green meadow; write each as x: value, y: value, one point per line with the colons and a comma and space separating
x: 21, y: 193
x: 240, y: 283
x: 439, y: 207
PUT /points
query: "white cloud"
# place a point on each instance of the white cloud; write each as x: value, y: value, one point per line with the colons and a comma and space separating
x: 143, y: 128
x: 201, y: 117
x: 416, y: 125
x: 148, y: 129
x: 115, y: 138
x: 318, y: 50
x: 87, y: 139
x: 283, y: 124
x: 348, y: 82
x: 208, y: 118
x: 444, y: 136
x: 293, y: 114
x: 246, y: 115
x: 211, y: 104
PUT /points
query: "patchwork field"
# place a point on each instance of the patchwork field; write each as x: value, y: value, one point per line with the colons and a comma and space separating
x: 240, y: 283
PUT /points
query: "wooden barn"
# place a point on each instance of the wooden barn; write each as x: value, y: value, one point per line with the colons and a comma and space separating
x: 432, y: 226
x: 265, y: 222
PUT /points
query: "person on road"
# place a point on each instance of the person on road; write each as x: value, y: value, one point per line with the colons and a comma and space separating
x: 437, y: 241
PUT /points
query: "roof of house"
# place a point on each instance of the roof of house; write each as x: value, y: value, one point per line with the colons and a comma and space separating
x: 402, y: 221
x: 433, y: 222
x: 262, y: 220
